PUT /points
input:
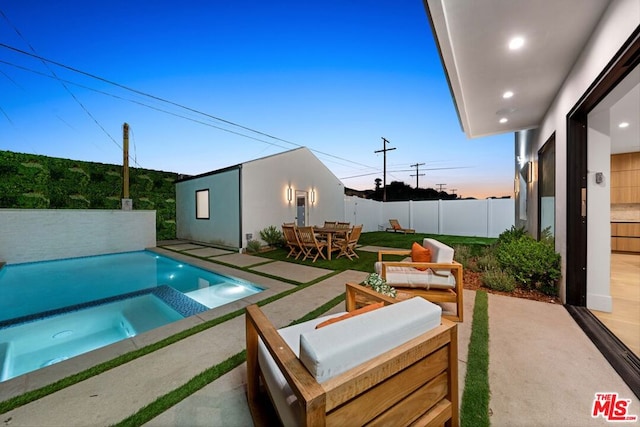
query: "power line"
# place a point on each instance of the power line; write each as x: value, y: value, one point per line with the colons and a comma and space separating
x: 371, y: 173
x: 142, y: 104
x: 44, y: 62
x: 157, y: 98
x: 7, y: 116
x: 404, y: 170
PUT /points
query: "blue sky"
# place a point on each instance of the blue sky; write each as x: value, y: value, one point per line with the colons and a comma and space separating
x: 334, y: 76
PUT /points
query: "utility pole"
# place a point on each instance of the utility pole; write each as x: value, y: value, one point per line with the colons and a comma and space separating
x: 384, y: 167
x: 125, y: 161
x: 441, y: 186
x: 417, y: 165
x: 453, y: 191
x: 126, y: 201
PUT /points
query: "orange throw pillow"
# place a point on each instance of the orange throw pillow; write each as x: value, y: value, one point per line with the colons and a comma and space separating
x: 353, y: 313
x: 420, y: 254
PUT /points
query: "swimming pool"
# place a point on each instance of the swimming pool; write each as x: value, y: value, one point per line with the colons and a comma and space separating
x: 54, y: 310
x: 34, y: 345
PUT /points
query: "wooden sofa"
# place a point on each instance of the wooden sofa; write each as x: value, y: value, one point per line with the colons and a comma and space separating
x: 412, y: 383
x: 439, y: 281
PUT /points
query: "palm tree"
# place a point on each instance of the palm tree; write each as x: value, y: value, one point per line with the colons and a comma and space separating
x: 378, y: 182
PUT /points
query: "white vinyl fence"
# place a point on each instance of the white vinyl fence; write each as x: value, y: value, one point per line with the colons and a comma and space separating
x: 482, y: 218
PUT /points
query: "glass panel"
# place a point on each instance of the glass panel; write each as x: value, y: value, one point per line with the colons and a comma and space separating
x: 301, y: 204
x: 202, y: 204
x: 547, y: 189
x: 522, y: 196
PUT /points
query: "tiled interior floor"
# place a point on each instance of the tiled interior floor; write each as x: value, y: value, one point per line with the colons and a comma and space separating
x: 624, y: 320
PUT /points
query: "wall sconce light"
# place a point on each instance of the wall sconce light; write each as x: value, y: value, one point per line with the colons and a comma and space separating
x: 289, y: 194
x: 530, y: 172
x: 313, y: 197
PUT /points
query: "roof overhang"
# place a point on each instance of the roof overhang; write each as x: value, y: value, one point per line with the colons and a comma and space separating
x: 473, y: 37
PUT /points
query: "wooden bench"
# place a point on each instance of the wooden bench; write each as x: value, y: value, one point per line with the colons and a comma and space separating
x: 414, y: 383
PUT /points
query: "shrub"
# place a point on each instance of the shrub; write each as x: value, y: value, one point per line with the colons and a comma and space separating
x: 514, y: 233
x: 499, y: 280
x: 487, y: 261
x: 534, y: 264
x: 253, y: 246
x: 546, y: 236
x: 463, y: 255
x: 272, y: 236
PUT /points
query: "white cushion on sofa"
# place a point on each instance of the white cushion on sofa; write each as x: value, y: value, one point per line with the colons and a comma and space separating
x: 413, y: 278
x: 342, y: 332
x: 283, y: 398
x: 336, y: 348
x: 440, y: 253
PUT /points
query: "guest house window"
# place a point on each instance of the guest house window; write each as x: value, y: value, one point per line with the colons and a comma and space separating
x: 202, y: 204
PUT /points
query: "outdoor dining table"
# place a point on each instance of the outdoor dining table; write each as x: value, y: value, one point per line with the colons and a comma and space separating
x: 329, y: 232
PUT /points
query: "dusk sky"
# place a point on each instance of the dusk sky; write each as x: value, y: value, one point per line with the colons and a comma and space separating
x: 334, y: 76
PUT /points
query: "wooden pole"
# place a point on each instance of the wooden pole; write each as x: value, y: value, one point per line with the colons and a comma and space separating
x: 384, y: 167
x: 125, y: 160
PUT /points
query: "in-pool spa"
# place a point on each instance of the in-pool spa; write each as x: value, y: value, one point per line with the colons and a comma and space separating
x: 51, y: 311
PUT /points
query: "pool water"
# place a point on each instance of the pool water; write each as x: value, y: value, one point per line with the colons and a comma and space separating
x: 34, y: 345
x: 28, y: 289
x: 54, y: 310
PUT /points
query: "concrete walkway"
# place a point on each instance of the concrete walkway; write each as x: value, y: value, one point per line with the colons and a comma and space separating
x: 543, y: 370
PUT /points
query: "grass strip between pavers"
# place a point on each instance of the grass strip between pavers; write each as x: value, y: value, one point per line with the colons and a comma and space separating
x: 376, y: 239
x: 475, y: 399
x: 33, y: 395
x: 163, y: 403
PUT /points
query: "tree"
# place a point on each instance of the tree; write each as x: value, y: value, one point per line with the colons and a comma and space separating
x: 399, y: 191
x: 378, y: 182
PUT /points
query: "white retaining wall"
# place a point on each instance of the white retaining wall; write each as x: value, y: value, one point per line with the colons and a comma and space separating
x: 482, y: 218
x: 28, y: 235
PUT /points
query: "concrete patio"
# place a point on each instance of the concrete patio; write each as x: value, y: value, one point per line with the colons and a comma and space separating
x: 543, y: 369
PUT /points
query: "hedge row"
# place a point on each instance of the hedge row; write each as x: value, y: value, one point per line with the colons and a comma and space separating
x: 31, y: 181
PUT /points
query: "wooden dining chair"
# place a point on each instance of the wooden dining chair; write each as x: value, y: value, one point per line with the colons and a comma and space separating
x: 310, y: 246
x: 330, y: 224
x: 291, y: 238
x: 347, y: 246
x: 342, y: 226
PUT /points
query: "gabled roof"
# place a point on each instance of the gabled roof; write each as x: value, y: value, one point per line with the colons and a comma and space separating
x: 473, y: 38
x: 240, y: 165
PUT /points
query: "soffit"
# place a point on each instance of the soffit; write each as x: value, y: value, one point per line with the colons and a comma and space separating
x: 473, y: 37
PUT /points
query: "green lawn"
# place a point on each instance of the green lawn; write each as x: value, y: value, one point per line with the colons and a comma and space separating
x: 474, y: 409
x: 398, y: 240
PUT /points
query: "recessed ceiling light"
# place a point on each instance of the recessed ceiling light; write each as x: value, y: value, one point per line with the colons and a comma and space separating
x: 516, y: 43
x: 623, y: 125
x: 508, y: 94
x: 504, y: 120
